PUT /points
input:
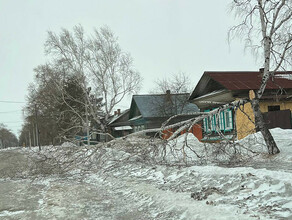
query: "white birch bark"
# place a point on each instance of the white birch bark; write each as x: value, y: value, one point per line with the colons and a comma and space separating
x: 273, y: 20
x: 99, y: 64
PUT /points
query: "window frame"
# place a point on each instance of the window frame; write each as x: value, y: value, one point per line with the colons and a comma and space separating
x: 225, y: 121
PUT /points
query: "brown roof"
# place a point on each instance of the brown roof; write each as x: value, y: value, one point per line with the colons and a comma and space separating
x: 239, y: 80
x: 250, y: 80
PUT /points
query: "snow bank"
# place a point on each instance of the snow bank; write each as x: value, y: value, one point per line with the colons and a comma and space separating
x: 68, y: 144
x: 283, y: 139
x: 130, y: 182
x: 187, y: 148
x: 203, y: 192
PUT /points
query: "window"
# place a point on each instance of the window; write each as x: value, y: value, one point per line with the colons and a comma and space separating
x: 213, y: 123
x: 139, y: 128
x: 94, y: 136
x: 228, y: 120
x: 221, y: 121
x: 206, y: 124
x: 274, y: 108
x: 224, y: 121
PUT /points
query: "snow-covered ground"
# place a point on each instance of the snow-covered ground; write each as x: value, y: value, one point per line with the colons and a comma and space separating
x: 118, y: 182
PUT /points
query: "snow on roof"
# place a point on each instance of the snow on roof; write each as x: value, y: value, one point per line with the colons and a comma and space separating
x: 123, y: 128
x: 284, y: 76
x: 116, y: 117
x: 135, y: 118
x: 216, y: 92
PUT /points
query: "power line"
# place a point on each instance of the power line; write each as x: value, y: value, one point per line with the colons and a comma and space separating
x: 15, y: 126
x: 11, y: 122
x: 11, y: 102
x: 10, y: 111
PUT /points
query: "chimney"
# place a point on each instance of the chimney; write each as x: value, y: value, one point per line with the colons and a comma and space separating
x: 119, y: 111
x: 116, y: 112
x: 168, y: 97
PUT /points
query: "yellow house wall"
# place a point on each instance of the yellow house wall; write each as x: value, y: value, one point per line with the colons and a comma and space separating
x: 244, y: 126
x: 283, y: 105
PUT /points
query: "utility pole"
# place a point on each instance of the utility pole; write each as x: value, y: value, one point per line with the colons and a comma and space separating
x: 25, y: 141
x: 29, y: 136
x: 87, y: 124
x: 33, y: 136
x: 87, y: 101
x: 37, y: 128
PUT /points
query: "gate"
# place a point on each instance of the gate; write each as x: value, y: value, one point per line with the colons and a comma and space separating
x: 281, y: 119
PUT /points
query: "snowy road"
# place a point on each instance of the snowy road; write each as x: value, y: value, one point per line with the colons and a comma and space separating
x: 141, y: 192
x: 126, y: 199
x: 119, y: 188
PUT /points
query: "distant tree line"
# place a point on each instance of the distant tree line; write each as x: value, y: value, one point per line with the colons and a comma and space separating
x: 7, y: 138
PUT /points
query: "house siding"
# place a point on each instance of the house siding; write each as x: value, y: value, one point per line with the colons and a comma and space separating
x: 196, y: 130
x: 244, y: 126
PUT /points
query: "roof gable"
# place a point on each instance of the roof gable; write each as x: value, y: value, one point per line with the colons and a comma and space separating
x: 134, y: 110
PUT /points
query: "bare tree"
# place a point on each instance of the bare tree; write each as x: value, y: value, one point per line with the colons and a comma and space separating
x: 69, y: 50
x: 111, y: 70
x: 266, y: 27
x: 102, y: 69
x: 58, y: 97
x: 177, y: 83
x: 170, y: 95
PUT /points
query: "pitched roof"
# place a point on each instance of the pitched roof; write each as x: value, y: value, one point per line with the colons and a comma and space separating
x: 239, y: 80
x: 158, y: 105
x: 116, y: 117
x: 250, y: 80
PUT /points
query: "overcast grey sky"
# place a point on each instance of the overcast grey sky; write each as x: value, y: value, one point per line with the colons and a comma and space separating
x: 163, y: 37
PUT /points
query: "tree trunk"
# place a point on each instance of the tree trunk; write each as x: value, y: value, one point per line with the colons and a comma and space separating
x: 87, y: 124
x: 261, y: 126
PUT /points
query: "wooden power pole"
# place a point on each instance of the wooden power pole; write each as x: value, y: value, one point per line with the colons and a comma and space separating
x: 37, y: 128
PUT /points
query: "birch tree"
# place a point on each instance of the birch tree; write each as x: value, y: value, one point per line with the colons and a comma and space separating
x: 102, y: 68
x: 266, y: 27
x: 111, y: 70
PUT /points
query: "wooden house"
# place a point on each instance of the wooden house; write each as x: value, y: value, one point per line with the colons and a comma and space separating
x: 217, y: 88
x: 119, y: 124
x: 150, y: 111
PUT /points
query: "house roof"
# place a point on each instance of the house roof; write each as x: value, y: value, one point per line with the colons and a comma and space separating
x: 239, y: 80
x: 159, y: 106
x: 250, y: 80
x: 116, y: 117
